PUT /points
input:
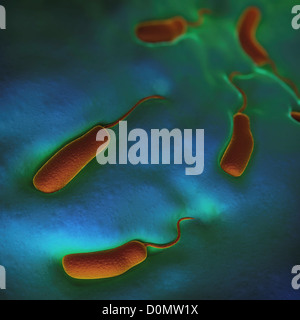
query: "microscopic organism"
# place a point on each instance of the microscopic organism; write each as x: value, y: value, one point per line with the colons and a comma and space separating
x: 167, y: 30
x: 112, y: 262
x: 296, y: 115
x: 247, y: 27
x: 65, y: 164
x: 238, y: 152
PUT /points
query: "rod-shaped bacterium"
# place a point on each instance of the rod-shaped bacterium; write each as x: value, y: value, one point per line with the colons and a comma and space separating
x: 65, y: 164
x: 112, y: 262
x: 167, y: 30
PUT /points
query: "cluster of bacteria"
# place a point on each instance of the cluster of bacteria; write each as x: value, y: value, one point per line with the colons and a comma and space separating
x: 65, y: 164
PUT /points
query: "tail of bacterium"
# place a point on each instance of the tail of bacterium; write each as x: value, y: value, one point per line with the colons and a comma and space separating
x: 238, y: 152
x: 244, y: 96
x: 113, y: 124
x: 172, y: 243
x: 200, y: 20
x: 289, y: 82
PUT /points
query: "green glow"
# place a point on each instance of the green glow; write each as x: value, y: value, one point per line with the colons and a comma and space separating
x: 284, y: 85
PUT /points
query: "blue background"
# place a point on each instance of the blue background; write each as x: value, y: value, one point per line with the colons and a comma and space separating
x: 68, y: 65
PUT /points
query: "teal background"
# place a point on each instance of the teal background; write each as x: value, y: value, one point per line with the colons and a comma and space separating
x: 68, y: 65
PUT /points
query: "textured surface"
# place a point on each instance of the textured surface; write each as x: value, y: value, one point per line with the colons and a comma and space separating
x: 105, y: 264
x: 62, y: 167
x: 237, y: 155
x: 66, y: 67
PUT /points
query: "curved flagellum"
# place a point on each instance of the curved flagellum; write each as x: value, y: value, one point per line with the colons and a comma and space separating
x: 112, y: 262
x: 200, y: 20
x: 61, y: 168
x: 243, y: 94
x: 172, y: 243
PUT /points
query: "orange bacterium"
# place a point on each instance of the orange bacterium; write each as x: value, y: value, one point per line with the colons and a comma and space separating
x: 296, y: 115
x: 238, y: 152
x: 112, y: 262
x: 167, y: 30
x: 247, y: 27
x: 65, y: 164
